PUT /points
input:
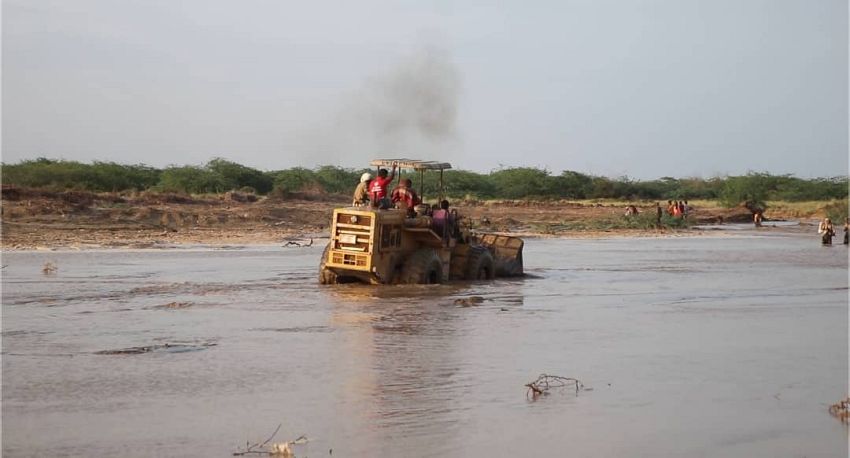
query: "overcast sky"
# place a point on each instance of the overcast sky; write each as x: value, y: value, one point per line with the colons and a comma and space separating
x: 644, y: 88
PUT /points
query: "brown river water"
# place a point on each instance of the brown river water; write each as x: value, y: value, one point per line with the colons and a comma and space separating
x: 697, y: 347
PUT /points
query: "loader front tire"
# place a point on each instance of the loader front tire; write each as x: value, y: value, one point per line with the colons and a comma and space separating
x: 326, y: 276
x: 422, y: 267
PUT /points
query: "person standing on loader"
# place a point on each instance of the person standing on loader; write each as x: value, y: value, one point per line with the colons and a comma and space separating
x: 441, y: 219
x: 378, y: 188
x: 361, y: 192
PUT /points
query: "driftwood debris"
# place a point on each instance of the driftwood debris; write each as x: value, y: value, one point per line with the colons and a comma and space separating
x: 469, y: 301
x: 293, y: 243
x: 281, y: 449
x: 49, y: 268
x: 176, y: 347
x: 175, y: 305
x: 841, y: 410
x: 545, y: 382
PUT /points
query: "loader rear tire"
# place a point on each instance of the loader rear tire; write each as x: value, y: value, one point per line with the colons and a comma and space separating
x: 479, y: 264
x: 422, y: 267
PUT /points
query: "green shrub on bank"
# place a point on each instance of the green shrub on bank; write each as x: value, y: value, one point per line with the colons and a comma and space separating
x: 191, y: 179
x: 294, y: 179
x: 837, y: 211
x: 462, y: 182
x: 643, y: 221
x: 649, y: 220
x: 235, y: 176
x: 220, y: 175
x: 751, y: 191
x: 522, y: 182
x: 755, y: 189
x: 337, y: 180
x: 97, y: 176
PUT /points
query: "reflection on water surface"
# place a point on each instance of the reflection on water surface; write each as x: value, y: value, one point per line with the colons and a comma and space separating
x: 725, y: 346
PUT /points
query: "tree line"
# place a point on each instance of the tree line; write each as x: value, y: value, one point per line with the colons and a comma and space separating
x: 220, y: 175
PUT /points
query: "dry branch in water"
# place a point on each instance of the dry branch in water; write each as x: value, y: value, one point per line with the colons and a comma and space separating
x: 841, y: 410
x: 282, y: 449
x: 546, y: 382
x: 49, y: 268
x: 469, y: 301
x: 175, y: 305
x: 176, y: 347
x: 292, y: 243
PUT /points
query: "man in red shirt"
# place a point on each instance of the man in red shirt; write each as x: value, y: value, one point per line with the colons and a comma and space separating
x: 404, y: 196
x: 378, y: 188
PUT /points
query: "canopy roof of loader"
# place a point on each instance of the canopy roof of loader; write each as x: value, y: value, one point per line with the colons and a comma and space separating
x: 414, y: 164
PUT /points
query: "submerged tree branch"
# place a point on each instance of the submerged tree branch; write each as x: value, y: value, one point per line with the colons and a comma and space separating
x: 545, y: 382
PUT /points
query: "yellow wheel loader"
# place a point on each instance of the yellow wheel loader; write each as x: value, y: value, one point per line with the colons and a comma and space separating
x: 374, y: 245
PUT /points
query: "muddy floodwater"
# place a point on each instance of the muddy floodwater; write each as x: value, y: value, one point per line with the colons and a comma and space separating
x: 697, y: 346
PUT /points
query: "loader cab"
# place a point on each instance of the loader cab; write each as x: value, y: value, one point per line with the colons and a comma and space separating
x: 421, y: 219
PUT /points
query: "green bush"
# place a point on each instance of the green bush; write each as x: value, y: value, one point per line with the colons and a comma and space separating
x: 98, y: 176
x: 522, y: 182
x: 237, y: 176
x: 574, y: 185
x: 796, y: 189
x: 457, y: 183
x: 220, y: 175
x: 837, y: 211
x: 463, y: 183
x: 46, y: 173
x: 192, y: 179
x: 643, y: 220
x: 109, y: 176
x: 337, y: 180
x: 754, y: 189
x: 648, y: 220
x: 751, y: 191
x: 294, y: 179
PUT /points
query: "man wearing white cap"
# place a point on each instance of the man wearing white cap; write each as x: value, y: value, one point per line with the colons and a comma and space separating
x: 361, y: 193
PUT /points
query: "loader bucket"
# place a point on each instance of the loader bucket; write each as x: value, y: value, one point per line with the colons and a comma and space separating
x: 507, y: 254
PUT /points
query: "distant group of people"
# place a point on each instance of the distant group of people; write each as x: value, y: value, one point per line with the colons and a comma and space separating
x: 827, y: 231
x: 678, y: 209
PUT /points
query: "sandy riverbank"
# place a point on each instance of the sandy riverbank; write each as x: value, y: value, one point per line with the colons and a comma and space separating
x: 43, y: 220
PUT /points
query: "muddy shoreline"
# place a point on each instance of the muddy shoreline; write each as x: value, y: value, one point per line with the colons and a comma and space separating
x: 33, y: 220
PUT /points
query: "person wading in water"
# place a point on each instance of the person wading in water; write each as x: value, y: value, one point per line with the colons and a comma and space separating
x: 826, y: 231
x: 846, y: 231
